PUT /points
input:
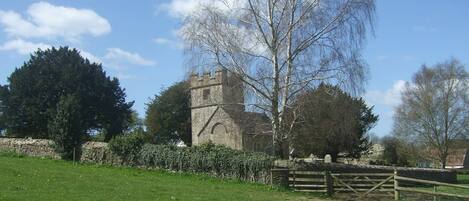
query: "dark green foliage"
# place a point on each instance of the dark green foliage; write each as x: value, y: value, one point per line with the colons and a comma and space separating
x: 3, y: 93
x: 208, y: 158
x: 66, y: 127
x: 34, y: 89
x: 395, y: 152
x: 168, y: 116
x: 127, y: 147
x: 331, y: 121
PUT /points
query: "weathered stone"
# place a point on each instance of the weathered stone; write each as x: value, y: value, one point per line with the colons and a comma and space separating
x: 327, y: 158
x: 28, y: 146
x: 218, y: 114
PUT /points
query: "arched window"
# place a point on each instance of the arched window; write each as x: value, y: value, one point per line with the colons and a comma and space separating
x: 219, y: 134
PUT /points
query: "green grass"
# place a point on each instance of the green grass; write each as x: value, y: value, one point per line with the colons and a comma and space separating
x: 28, y: 178
x: 463, y: 179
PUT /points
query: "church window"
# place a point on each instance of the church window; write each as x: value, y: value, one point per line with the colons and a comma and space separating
x: 206, y: 93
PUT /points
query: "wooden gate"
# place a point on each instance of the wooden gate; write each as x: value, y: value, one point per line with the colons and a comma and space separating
x: 308, y: 181
x: 364, y: 184
x: 360, y: 184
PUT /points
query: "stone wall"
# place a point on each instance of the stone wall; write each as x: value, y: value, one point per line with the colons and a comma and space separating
x: 98, y: 153
x: 31, y: 147
x: 92, y: 152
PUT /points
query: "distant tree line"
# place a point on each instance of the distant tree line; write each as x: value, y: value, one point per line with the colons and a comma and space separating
x: 433, y: 116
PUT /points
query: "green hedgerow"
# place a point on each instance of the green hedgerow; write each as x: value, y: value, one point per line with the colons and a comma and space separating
x: 127, y: 147
x: 209, y: 158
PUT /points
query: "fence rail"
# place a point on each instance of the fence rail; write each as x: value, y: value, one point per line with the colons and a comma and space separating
x: 398, y: 188
x: 361, y: 184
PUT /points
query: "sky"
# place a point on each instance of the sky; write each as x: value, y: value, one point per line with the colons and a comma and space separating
x: 137, y: 42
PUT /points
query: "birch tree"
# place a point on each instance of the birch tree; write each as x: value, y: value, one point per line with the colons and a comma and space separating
x: 435, y: 107
x: 279, y: 48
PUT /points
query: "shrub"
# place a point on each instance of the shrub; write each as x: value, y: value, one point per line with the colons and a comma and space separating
x: 127, y: 147
x: 208, y: 158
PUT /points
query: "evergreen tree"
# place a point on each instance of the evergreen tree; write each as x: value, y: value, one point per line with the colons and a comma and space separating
x: 168, y: 116
x: 31, y: 97
x: 66, y: 127
x: 331, y: 122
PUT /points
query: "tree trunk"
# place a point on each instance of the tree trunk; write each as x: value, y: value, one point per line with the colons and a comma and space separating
x: 443, y: 160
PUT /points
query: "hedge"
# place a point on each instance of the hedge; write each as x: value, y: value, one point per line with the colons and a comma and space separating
x: 209, y: 158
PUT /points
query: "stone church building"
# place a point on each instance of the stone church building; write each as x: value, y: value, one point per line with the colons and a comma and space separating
x: 218, y: 114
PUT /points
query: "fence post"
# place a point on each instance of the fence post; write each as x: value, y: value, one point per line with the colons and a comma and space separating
x: 329, y: 183
x: 396, y: 186
x: 434, y: 190
x: 271, y: 178
x: 294, y: 179
x: 73, y: 155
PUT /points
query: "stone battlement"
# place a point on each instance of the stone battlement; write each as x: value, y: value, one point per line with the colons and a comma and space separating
x: 207, y: 79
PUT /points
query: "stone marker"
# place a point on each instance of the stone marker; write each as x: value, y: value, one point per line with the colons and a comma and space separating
x: 327, y: 158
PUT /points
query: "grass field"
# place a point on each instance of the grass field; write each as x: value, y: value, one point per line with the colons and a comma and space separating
x: 28, y: 178
x: 462, y: 179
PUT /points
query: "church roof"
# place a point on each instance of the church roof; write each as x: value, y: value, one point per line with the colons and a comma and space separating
x: 252, y: 123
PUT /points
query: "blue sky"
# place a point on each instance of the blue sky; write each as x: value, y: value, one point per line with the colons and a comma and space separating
x: 136, y: 41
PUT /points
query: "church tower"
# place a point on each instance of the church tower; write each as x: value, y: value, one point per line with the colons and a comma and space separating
x: 216, y: 101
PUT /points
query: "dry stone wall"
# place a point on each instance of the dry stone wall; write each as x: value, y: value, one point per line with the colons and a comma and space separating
x: 98, y: 153
x: 92, y: 152
x: 31, y: 147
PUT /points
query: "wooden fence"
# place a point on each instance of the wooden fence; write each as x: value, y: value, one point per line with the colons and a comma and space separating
x: 362, y: 184
x: 433, y: 193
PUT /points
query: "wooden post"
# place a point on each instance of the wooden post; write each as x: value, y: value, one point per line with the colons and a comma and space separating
x: 434, y: 190
x: 73, y: 155
x: 294, y: 179
x: 396, y: 185
x: 329, y: 183
x: 271, y: 178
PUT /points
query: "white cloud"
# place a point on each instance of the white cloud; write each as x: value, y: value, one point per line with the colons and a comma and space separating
x: 45, y: 20
x: 390, y: 97
x: 181, y: 8
x: 184, y: 8
x: 23, y: 47
x: 92, y: 58
x: 124, y: 76
x: 116, y: 57
x: 176, y: 44
x: 161, y: 41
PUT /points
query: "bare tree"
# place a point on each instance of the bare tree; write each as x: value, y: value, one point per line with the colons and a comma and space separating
x: 435, y: 107
x: 279, y: 48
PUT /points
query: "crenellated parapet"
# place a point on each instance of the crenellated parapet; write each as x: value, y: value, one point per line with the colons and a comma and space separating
x: 208, y: 79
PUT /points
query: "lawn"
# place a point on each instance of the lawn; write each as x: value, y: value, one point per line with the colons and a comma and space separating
x: 28, y: 178
x: 462, y: 179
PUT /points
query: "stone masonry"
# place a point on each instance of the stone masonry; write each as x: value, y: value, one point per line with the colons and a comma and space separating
x: 218, y: 114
